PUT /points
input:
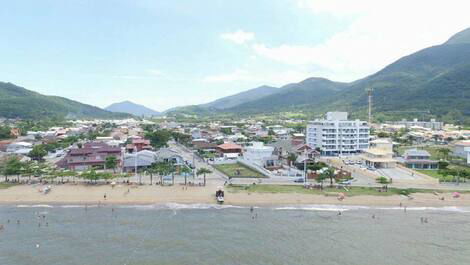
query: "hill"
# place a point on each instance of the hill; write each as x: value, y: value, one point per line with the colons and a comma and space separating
x: 241, y: 98
x: 434, y: 82
x: 18, y: 102
x: 132, y: 108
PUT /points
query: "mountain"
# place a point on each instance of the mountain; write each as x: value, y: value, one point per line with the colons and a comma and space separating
x: 434, y: 82
x: 461, y: 37
x: 292, y: 95
x: 240, y: 98
x: 18, y: 102
x: 132, y: 108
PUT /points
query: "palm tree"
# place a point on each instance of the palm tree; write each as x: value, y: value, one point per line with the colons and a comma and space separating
x: 184, y: 170
x: 329, y: 173
x: 203, y: 171
x: 165, y: 169
x: 152, y: 170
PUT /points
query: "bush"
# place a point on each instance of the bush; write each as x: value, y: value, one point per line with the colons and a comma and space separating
x: 382, y: 180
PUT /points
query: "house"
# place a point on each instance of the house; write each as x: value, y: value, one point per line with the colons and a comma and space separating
x: 261, y: 155
x: 229, y: 150
x: 462, y: 149
x: 168, y: 155
x: 419, y: 159
x: 140, y: 160
x: 336, y: 135
x: 138, y: 144
x: 91, y: 155
x: 204, y: 146
x: 380, y: 154
x: 21, y: 148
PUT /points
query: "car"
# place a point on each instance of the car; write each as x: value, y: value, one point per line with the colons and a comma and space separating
x: 371, y: 168
x: 299, y: 180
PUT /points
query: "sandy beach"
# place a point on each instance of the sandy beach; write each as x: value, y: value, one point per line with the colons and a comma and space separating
x: 124, y: 194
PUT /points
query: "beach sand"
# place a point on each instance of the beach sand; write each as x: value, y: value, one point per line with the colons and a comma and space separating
x: 124, y: 194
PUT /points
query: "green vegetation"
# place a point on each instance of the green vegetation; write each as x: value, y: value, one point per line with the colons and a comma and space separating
x: 351, y: 191
x: 238, y: 171
x: 382, y: 180
x: 4, y: 132
x: 18, y: 102
x: 6, y: 185
x: 158, y: 138
x: 203, y: 171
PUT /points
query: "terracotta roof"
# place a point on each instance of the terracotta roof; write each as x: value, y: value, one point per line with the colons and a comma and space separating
x: 229, y: 146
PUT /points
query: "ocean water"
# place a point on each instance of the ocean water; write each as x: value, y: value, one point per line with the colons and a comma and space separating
x: 209, y: 234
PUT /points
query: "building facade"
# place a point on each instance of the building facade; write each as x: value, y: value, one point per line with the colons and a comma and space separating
x: 336, y: 135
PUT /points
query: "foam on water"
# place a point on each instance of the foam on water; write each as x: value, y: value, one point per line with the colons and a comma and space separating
x: 34, y: 206
x: 180, y: 206
x: 327, y: 208
x: 205, y: 206
x: 341, y: 208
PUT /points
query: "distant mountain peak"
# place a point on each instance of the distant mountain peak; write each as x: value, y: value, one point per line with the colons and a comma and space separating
x: 130, y: 107
x: 460, y: 37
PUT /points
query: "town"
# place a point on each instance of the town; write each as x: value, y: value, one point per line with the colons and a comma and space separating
x: 328, y: 153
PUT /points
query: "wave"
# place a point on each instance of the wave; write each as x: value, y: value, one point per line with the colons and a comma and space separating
x: 34, y: 206
x: 327, y: 208
x: 341, y: 208
x: 180, y: 206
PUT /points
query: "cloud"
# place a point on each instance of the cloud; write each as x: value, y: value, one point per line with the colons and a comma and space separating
x: 380, y: 33
x: 275, y: 78
x: 155, y: 72
x: 238, y: 37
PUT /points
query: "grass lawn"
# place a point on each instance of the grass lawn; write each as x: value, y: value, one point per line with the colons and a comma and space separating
x: 6, y: 185
x: 231, y: 171
x: 432, y: 173
x: 352, y: 191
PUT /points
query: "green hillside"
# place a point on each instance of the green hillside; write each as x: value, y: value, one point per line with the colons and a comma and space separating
x: 433, y: 82
x: 18, y: 102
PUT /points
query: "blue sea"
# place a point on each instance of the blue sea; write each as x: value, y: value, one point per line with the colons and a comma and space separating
x: 212, y: 234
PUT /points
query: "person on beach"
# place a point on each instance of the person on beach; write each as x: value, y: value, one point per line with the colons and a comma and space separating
x: 104, y: 196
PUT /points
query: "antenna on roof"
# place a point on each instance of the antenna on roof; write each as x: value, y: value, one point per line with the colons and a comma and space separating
x: 369, y: 95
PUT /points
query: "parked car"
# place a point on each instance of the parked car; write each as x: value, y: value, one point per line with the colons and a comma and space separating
x: 299, y: 180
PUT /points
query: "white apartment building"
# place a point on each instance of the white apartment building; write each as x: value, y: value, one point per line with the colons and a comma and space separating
x: 336, y: 135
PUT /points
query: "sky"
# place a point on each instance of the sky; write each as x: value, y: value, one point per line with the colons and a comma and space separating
x: 168, y: 53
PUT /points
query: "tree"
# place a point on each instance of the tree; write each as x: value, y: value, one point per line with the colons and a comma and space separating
x: 165, y: 169
x: 329, y: 173
x: 90, y: 175
x: 38, y: 152
x: 292, y: 157
x: 203, y: 171
x: 111, y: 163
x: 158, y: 138
x: 4, y: 132
x: 444, y: 152
x: 184, y: 170
x: 12, y: 167
x: 443, y: 164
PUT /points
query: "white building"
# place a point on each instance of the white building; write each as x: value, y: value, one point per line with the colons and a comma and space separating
x: 462, y: 149
x: 337, y: 135
x: 260, y: 154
